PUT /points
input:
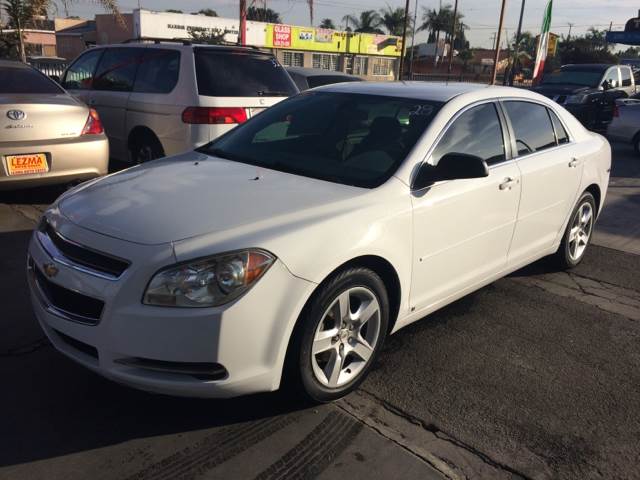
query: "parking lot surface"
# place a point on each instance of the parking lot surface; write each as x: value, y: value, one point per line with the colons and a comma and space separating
x: 534, y: 376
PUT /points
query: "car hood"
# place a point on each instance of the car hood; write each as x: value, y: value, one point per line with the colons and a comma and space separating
x: 560, y: 89
x: 193, y: 194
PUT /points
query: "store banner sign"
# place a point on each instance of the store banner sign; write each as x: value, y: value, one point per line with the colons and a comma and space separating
x: 324, y: 35
x: 281, y: 36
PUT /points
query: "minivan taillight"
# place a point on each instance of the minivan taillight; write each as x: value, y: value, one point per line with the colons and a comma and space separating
x: 93, y: 125
x: 214, y: 115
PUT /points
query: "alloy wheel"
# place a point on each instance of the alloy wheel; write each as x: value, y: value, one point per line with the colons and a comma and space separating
x: 580, y: 232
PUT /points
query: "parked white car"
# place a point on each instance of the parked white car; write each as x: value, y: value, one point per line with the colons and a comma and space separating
x: 293, y: 245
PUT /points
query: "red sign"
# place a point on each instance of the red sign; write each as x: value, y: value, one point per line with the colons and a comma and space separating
x: 281, y: 36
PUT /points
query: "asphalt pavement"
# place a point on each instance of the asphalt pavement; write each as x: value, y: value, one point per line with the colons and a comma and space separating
x: 534, y: 376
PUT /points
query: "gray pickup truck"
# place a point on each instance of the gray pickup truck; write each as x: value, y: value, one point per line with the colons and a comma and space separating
x: 589, y: 91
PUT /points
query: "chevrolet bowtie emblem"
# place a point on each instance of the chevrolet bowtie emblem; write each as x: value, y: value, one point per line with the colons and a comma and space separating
x: 50, y: 270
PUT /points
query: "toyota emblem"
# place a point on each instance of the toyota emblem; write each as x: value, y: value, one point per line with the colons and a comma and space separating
x: 50, y: 270
x: 16, y: 115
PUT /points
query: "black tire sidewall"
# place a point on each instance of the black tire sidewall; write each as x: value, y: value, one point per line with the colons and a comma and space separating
x: 146, y: 140
x: 354, y: 277
x: 564, y: 247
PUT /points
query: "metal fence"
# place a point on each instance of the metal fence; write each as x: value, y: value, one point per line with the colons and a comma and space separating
x: 52, y: 67
x: 465, y: 78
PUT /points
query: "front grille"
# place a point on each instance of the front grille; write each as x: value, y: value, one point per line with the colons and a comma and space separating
x: 78, y: 345
x: 84, y: 256
x: 76, y: 306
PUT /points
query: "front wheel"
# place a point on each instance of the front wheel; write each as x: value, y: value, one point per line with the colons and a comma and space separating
x: 578, y: 232
x: 340, y: 335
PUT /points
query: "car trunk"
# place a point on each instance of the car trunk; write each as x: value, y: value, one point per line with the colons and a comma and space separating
x: 40, y: 117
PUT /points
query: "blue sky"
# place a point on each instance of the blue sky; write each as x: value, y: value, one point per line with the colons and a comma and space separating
x: 480, y: 15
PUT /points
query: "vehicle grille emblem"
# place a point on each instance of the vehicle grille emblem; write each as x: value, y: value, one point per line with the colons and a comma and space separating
x: 50, y: 270
x: 16, y: 115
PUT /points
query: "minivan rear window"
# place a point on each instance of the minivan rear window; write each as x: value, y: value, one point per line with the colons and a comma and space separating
x: 26, y: 80
x: 236, y: 73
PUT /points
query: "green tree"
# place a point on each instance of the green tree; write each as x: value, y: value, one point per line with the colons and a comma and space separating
x: 465, y: 55
x: 207, y: 36
x: 263, y: 15
x: 393, y: 20
x: 207, y: 12
x: 368, y: 22
x: 173, y: 10
x: 327, y: 23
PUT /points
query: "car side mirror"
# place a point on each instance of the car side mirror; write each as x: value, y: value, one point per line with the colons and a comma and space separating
x: 607, y: 85
x: 452, y: 166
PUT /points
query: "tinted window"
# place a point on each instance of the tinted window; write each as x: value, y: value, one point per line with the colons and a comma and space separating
x: 318, y: 80
x: 241, y: 74
x: 158, y: 71
x: 79, y: 75
x: 531, y: 126
x: 573, y: 77
x: 117, y: 70
x: 476, y: 132
x: 626, y: 76
x: 18, y: 79
x: 561, y: 133
x: 340, y: 137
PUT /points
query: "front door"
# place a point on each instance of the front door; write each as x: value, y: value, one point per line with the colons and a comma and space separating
x: 462, y: 228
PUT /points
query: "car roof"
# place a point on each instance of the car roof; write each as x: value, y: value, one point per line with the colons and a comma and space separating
x: 13, y: 64
x: 316, y: 72
x: 435, y: 91
x: 179, y: 44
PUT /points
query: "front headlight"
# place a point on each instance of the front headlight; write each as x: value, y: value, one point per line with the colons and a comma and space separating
x: 208, y: 282
x: 579, y: 98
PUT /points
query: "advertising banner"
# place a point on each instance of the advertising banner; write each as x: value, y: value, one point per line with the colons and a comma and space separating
x: 281, y: 36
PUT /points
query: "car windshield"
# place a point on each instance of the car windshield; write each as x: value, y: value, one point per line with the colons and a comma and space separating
x: 347, y: 138
x: 587, y: 78
x: 26, y: 80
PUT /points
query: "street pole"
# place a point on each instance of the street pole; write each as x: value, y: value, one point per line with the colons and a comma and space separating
x: 404, y: 39
x: 453, y: 37
x: 413, y: 39
x: 516, y: 50
x: 569, y: 34
x: 496, y: 56
x: 243, y: 23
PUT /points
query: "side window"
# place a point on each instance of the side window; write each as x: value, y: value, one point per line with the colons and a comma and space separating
x: 117, y: 70
x: 158, y: 71
x: 561, y: 133
x: 612, y: 77
x: 626, y: 76
x: 79, y: 76
x: 531, y: 126
x: 476, y: 132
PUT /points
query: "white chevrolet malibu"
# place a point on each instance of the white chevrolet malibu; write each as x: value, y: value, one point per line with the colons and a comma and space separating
x: 288, y: 249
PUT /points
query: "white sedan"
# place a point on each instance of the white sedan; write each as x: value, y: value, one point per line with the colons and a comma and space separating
x: 288, y: 249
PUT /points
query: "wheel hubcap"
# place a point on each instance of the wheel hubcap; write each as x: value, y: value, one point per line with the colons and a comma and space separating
x: 346, y: 337
x: 580, y: 232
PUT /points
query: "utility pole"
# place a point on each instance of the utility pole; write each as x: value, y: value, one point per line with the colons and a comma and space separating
x: 570, y: 27
x: 496, y: 56
x: 413, y: 38
x: 242, y: 34
x: 516, y: 50
x: 453, y: 37
x: 404, y: 39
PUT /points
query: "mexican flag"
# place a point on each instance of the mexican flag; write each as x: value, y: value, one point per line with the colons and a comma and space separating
x: 543, y: 44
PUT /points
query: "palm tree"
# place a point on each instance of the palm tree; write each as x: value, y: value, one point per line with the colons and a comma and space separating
x: 22, y: 14
x: 263, y: 15
x: 327, y: 23
x: 433, y: 22
x: 393, y: 20
x: 368, y: 22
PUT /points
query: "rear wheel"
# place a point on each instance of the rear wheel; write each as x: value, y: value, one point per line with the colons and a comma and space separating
x: 144, y: 148
x: 340, y: 335
x: 578, y: 232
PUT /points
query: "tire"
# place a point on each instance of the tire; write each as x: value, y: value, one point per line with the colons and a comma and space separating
x: 636, y: 144
x: 578, y: 233
x: 326, y: 358
x: 144, y: 148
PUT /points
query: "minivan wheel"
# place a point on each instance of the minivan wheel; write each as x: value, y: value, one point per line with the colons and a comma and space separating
x: 578, y: 232
x: 146, y: 148
x: 340, y: 335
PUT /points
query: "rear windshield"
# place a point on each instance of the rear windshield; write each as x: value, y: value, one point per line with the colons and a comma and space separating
x: 241, y: 74
x: 319, y: 80
x: 26, y: 80
x: 586, y: 78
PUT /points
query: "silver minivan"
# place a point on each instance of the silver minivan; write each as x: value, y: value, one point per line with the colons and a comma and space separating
x: 164, y: 98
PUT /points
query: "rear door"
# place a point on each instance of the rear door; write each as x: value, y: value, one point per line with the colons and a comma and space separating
x: 247, y: 82
x: 551, y: 172
x: 112, y: 85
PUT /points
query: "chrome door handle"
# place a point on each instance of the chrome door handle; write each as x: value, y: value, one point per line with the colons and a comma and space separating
x: 573, y: 163
x: 506, y: 183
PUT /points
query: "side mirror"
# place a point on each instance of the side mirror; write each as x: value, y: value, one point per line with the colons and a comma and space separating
x: 452, y: 166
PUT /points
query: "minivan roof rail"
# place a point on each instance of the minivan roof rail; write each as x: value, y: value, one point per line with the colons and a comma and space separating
x: 157, y: 40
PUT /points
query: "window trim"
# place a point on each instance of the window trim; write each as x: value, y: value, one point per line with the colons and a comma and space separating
x: 514, y: 148
x: 141, y: 61
x: 101, y: 51
x: 506, y: 141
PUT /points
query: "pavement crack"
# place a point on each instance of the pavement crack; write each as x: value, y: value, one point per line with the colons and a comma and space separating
x: 444, y: 436
x: 27, y: 349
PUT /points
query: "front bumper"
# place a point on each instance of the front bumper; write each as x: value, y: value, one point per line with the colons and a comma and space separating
x: 132, y: 343
x: 81, y: 158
